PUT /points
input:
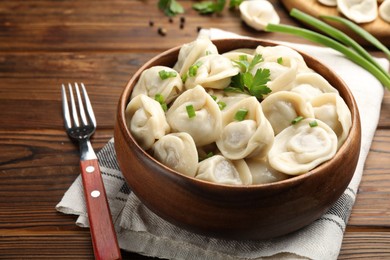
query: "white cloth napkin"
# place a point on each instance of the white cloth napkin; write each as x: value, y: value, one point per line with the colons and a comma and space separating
x: 139, y: 230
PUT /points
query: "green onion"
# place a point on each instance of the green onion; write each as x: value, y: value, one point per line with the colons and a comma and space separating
x: 360, y: 31
x: 319, y: 38
x: 280, y: 60
x: 336, y: 34
x: 313, y: 123
x: 160, y: 99
x: 297, y: 120
x: 221, y: 105
x: 240, y: 114
x: 193, y: 70
x: 190, y: 111
x: 167, y: 74
x: 214, y: 97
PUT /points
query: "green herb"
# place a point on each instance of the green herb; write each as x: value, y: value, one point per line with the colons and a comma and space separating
x: 193, y: 70
x: 313, y: 123
x: 209, y: 7
x: 214, y: 97
x: 360, y: 31
x: 280, y: 60
x: 167, y: 74
x: 190, y: 111
x: 297, y: 120
x: 384, y: 78
x: 336, y: 34
x: 208, y: 155
x: 241, y: 114
x: 170, y: 7
x: 184, y: 78
x: 160, y: 99
x: 235, y: 3
x: 245, y: 82
x: 221, y: 105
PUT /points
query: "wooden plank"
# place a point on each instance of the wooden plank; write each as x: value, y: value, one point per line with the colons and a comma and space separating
x: 365, y: 245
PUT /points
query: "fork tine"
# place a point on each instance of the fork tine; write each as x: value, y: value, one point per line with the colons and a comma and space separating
x: 88, y: 105
x: 81, y: 106
x: 65, y: 108
x: 75, y: 117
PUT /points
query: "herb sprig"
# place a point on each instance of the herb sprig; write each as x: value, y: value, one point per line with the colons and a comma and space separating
x: 209, y: 7
x: 246, y: 82
x: 170, y: 7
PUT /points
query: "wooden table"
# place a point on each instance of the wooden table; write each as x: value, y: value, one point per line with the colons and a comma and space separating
x: 102, y: 43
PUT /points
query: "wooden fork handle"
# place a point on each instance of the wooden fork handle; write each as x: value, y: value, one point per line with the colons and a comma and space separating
x: 104, y: 241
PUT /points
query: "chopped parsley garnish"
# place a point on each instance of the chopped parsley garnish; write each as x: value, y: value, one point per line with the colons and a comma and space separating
x: 297, y: 120
x: 245, y: 82
x: 241, y: 114
x: 209, y: 7
x: 167, y: 74
x: 160, y: 99
x: 313, y: 123
x: 170, y: 7
x: 190, y: 111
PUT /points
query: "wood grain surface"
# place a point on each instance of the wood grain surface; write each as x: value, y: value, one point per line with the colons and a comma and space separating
x: 45, y: 43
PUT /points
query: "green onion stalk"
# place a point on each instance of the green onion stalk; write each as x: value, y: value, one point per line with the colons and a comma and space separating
x: 382, y: 76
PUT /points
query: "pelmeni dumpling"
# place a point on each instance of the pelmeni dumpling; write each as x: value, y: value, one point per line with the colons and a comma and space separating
x: 282, y: 107
x: 258, y: 13
x: 282, y: 74
x: 211, y: 71
x: 251, y: 136
x: 279, y: 53
x: 191, y: 52
x: 205, y: 126
x: 332, y: 110
x: 311, y: 84
x: 301, y: 147
x: 328, y: 2
x: 235, y: 55
x: 262, y: 172
x: 384, y: 11
x: 152, y: 81
x: 226, y: 99
x: 220, y: 170
x: 359, y: 11
x: 146, y: 120
x: 177, y: 151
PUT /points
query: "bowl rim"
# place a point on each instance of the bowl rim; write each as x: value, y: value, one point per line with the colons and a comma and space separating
x: 293, y: 180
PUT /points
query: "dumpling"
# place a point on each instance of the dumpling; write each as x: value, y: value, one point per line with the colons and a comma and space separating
x: 282, y: 107
x: 159, y: 80
x: 282, y: 74
x: 196, y: 113
x: 246, y: 132
x: 332, y: 110
x: 226, y: 99
x: 262, y: 172
x: 218, y: 169
x: 302, y: 146
x: 191, y: 52
x: 279, y: 53
x: 384, y: 11
x: 312, y: 84
x: 177, y: 151
x: 146, y: 120
x: 359, y: 11
x: 258, y: 13
x: 328, y: 2
x: 211, y: 71
x: 236, y: 54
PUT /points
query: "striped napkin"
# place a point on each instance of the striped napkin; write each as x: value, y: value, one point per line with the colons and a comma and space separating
x: 140, y: 230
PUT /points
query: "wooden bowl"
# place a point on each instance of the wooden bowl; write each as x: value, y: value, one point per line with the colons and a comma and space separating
x: 236, y: 212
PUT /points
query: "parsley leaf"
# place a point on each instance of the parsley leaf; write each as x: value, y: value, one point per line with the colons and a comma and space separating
x: 209, y: 7
x: 170, y: 7
x: 245, y: 82
x: 235, y: 3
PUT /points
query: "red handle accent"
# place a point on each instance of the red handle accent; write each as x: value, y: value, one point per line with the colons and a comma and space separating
x: 104, y: 241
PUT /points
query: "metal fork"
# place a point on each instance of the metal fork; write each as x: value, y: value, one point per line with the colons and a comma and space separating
x: 104, y: 241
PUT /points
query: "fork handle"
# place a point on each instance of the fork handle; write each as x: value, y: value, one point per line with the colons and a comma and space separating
x: 104, y: 241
